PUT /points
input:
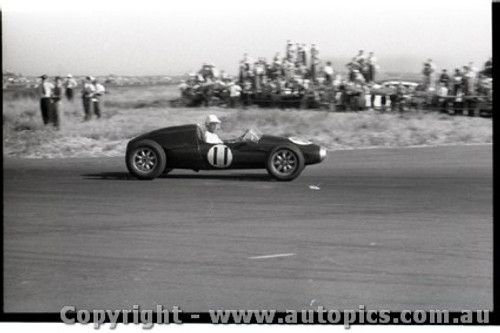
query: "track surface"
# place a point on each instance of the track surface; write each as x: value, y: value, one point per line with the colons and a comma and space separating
x: 390, y: 229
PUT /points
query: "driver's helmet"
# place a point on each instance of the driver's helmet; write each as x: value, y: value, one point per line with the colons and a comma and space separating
x: 212, y: 119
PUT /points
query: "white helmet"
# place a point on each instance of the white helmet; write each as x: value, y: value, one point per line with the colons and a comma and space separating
x: 212, y: 119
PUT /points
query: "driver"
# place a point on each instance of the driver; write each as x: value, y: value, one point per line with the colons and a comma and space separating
x: 212, y: 123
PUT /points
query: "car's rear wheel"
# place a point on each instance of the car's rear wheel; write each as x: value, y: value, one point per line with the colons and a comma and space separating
x: 146, y: 159
x: 285, y: 163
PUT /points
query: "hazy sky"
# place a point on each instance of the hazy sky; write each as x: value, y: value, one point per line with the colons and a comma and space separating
x: 173, y: 37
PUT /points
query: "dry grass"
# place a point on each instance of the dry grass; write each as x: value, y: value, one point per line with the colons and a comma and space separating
x: 133, y: 111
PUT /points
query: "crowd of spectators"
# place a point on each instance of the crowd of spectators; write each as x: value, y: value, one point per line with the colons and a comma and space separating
x: 299, y: 76
x: 51, y: 94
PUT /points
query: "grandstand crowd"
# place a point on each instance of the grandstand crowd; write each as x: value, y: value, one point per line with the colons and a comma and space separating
x: 299, y: 78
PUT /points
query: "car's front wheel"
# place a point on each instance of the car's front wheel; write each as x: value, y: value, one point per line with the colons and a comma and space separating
x: 285, y: 163
x: 146, y: 159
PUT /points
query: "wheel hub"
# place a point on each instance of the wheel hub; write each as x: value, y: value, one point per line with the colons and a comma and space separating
x: 145, y: 159
x: 285, y: 161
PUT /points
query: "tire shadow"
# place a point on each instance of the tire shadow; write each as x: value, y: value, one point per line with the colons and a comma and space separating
x: 232, y: 177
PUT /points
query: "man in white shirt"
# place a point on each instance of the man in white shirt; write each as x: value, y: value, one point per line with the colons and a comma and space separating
x: 87, y: 94
x: 442, y: 94
x: 212, y: 123
x: 234, y: 94
x: 97, y: 97
x: 45, y: 89
x: 183, y: 88
x: 70, y: 84
x: 328, y: 72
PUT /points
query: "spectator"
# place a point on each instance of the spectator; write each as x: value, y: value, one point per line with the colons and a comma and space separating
x: 289, y: 51
x: 300, y: 70
x: 372, y: 67
x: 224, y: 76
x: 302, y: 54
x: 234, y: 94
x: 288, y: 69
x: 360, y: 58
x: 97, y: 97
x: 259, y: 73
x: 241, y: 71
x: 206, y: 71
x: 328, y: 73
x: 45, y: 92
x: 214, y: 72
x: 458, y: 82
x: 465, y: 79
x: 246, y: 94
x: 314, y: 52
x: 70, y: 85
x: 207, y: 91
x: 442, y: 94
x: 359, y: 79
x: 314, y: 62
x: 397, y: 99
x: 488, y: 68
x: 57, y: 94
x: 470, y: 75
x: 444, y: 78
x: 184, y: 90
x: 433, y: 72
x: 428, y: 73
x: 353, y: 66
x: 297, y: 55
x: 87, y: 95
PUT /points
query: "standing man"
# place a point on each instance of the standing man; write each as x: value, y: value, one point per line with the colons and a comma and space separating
x: 372, y: 67
x: 302, y: 54
x: 427, y: 71
x: 432, y: 76
x: 488, y: 68
x: 289, y: 52
x: 314, y: 62
x: 328, y: 73
x: 259, y: 71
x: 458, y: 82
x: 87, y: 95
x: 97, y: 97
x: 70, y: 85
x: 442, y: 95
x: 45, y: 92
x: 184, y: 90
x: 352, y: 66
x: 444, y: 78
x: 360, y: 58
x: 234, y: 94
x: 288, y: 68
x: 471, y: 76
x: 57, y: 93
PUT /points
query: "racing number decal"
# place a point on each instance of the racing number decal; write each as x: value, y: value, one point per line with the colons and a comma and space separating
x: 220, y: 156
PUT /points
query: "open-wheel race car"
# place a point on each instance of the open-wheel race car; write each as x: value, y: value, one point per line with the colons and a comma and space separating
x: 183, y: 147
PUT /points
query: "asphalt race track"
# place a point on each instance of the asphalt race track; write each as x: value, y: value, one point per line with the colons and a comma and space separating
x: 386, y: 228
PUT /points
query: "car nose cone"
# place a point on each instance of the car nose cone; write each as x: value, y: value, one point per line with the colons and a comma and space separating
x: 322, y: 153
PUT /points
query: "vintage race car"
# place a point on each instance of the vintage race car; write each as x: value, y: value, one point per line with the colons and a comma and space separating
x: 183, y: 147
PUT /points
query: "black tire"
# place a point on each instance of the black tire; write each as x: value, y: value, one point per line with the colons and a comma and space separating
x: 146, y: 159
x: 285, y: 162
